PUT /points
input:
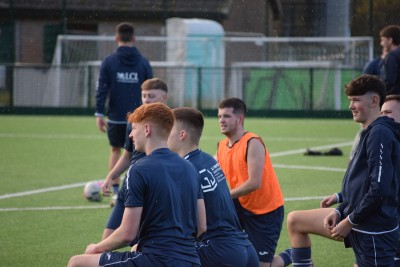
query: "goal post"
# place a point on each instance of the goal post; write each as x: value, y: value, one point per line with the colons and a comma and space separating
x: 242, y: 65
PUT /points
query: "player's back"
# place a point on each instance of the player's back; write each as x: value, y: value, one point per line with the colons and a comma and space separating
x: 169, y: 188
x: 222, y: 220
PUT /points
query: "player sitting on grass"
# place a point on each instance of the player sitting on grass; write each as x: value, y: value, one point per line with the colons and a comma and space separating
x: 224, y: 244
x: 163, y: 198
x: 153, y: 90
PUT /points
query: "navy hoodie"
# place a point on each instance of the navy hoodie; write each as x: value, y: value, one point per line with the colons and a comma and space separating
x: 390, y: 72
x: 121, y: 76
x: 370, y: 187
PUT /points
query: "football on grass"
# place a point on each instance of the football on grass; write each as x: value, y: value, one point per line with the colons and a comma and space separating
x: 92, y: 191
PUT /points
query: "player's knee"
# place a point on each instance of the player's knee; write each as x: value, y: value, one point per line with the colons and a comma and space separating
x: 292, y: 221
x: 73, y: 262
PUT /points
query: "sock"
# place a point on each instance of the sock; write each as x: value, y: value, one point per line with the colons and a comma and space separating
x: 302, y: 257
x: 286, y: 256
x: 115, y: 188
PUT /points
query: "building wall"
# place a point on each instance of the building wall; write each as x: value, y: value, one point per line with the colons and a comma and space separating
x: 30, y: 40
x: 246, y: 16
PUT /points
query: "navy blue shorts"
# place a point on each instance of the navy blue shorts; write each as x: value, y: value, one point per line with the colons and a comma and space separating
x: 126, y: 258
x: 263, y: 230
x: 374, y: 250
x: 216, y: 253
x: 116, y: 134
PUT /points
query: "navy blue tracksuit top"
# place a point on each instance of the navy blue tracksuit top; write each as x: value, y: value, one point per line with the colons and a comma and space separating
x: 121, y: 76
x: 370, y: 187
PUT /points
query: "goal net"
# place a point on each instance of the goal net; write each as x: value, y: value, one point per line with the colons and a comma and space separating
x: 269, y: 73
x: 297, y: 85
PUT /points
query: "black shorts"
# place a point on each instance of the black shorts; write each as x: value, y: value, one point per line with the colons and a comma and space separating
x: 374, y: 250
x: 116, y: 134
x: 262, y: 230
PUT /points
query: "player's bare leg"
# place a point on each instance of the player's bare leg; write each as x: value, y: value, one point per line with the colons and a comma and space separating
x: 88, y: 260
x: 302, y: 223
x: 106, y: 233
x: 115, y: 154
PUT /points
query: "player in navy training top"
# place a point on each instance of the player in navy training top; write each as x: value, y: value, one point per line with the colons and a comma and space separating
x: 367, y: 219
x: 153, y: 91
x: 224, y: 243
x: 121, y: 75
x: 163, y: 204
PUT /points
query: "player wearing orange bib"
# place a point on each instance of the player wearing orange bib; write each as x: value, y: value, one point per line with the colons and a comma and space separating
x: 254, y: 186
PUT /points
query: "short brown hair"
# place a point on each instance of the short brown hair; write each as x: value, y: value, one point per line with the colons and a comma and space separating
x: 125, y: 32
x: 392, y: 97
x: 391, y: 31
x: 192, y: 120
x: 238, y: 105
x: 157, y: 113
x: 367, y: 84
x: 154, y: 83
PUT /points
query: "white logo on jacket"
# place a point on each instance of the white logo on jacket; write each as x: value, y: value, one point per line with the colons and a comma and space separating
x: 127, y: 77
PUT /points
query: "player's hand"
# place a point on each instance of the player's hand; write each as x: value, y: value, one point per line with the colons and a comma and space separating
x: 106, y: 187
x: 341, y: 230
x: 328, y: 201
x: 331, y: 220
x: 92, y: 249
x: 101, y: 124
x: 134, y: 248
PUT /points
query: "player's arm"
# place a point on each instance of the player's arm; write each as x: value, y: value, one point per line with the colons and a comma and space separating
x: 330, y: 200
x: 121, y: 166
x: 379, y: 158
x: 123, y: 235
x: 255, y: 166
x: 391, y: 70
x: 101, y: 95
x: 201, y: 217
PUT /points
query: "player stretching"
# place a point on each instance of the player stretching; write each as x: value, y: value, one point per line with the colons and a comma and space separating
x: 367, y: 218
x: 224, y: 244
x: 254, y: 186
x: 161, y: 205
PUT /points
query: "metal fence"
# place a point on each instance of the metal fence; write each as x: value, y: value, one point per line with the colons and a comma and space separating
x: 263, y: 86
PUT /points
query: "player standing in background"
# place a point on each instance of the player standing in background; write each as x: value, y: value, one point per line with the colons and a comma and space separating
x: 153, y: 90
x: 224, y: 243
x: 390, y: 71
x: 367, y: 219
x: 163, y: 202
x: 121, y: 75
x: 255, y: 190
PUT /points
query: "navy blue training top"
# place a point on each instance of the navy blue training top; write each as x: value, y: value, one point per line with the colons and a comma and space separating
x: 370, y: 187
x: 167, y: 187
x: 121, y: 76
x: 222, y: 220
x: 390, y: 72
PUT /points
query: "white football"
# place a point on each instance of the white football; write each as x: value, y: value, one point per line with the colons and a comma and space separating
x: 92, y: 191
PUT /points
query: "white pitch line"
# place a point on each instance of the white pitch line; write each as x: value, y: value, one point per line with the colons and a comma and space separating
x: 302, y: 150
x: 316, y: 168
x: 278, y: 154
x: 43, y: 190
x: 56, y: 208
x: 289, y: 199
x: 51, y: 136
